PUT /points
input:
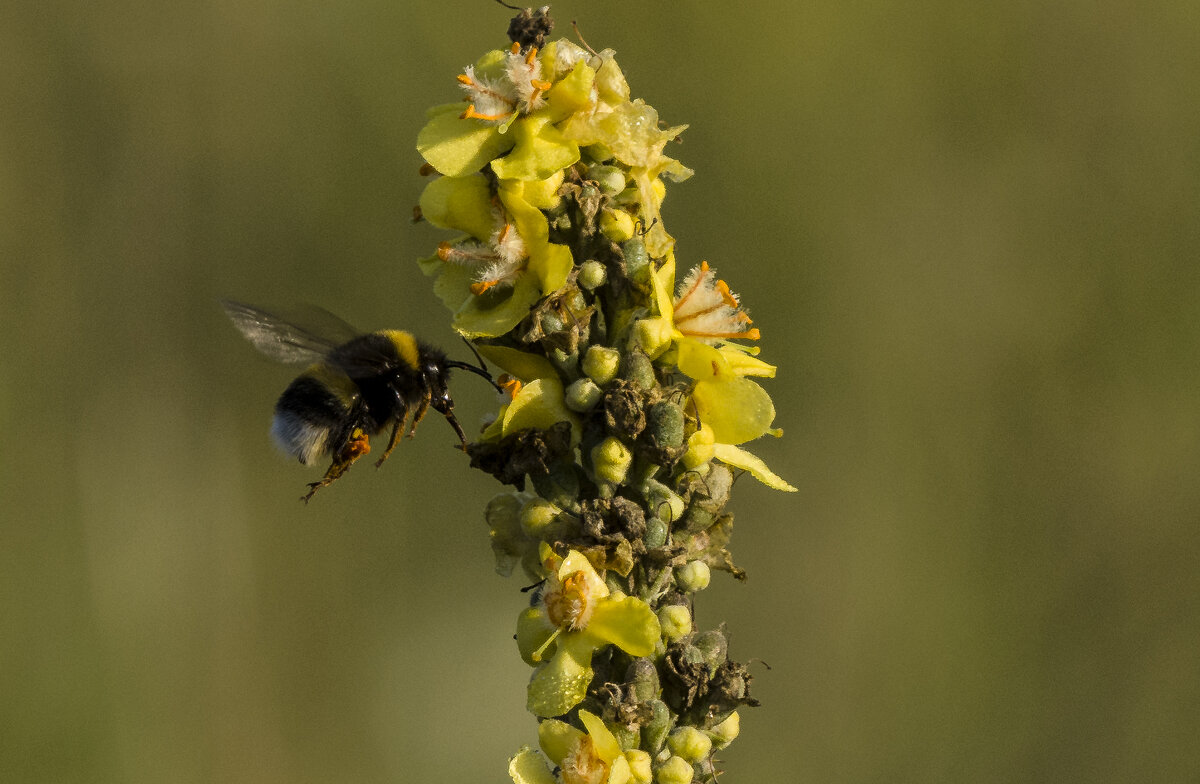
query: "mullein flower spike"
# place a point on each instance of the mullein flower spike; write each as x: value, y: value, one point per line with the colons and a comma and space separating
x: 626, y: 397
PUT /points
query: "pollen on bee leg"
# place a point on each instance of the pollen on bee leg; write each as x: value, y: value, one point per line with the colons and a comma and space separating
x: 358, y: 445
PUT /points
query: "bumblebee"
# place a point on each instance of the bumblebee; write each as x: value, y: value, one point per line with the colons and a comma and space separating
x: 356, y: 385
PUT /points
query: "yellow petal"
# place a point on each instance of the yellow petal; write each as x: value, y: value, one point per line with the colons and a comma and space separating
x: 557, y: 739
x: 628, y: 623
x: 603, y: 740
x: 561, y: 683
x: 577, y: 562
x: 540, y: 404
x: 522, y: 364
x: 740, y: 458
x: 459, y: 203
x: 737, y: 410
x: 458, y: 147
x: 528, y: 767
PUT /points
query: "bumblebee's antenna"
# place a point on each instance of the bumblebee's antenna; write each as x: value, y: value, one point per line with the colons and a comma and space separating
x: 481, y: 370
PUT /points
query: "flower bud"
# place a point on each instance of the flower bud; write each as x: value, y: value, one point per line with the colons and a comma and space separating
x: 582, y: 395
x: 676, y: 770
x: 617, y: 225
x: 611, y: 460
x: 690, y: 743
x: 610, y: 179
x: 592, y: 274
x: 599, y: 152
x: 676, y: 621
x: 601, y: 364
x: 639, y: 766
x: 693, y: 576
x: 537, y: 516
x: 700, y: 447
x: 532, y: 632
x: 724, y: 733
x: 652, y: 335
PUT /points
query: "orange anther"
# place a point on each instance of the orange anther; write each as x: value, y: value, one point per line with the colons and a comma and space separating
x: 464, y: 79
x: 471, y: 114
x: 510, y: 384
x: 529, y: 58
x: 516, y: 48
x: 482, y: 286
x: 726, y: 294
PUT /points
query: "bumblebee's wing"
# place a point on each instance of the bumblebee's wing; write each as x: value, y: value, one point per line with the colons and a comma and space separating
x: 303, y: 338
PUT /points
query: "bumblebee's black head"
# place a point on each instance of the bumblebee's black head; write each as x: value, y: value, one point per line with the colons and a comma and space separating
x: 435, y: 370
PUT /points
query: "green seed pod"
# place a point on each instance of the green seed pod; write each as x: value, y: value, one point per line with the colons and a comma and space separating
x: 664, y: 421
x: 698, y: 520
x: 552, y: 322
x: 610, y: 179
x: 637, y: 260
x: 560, y: 486
x: 582, y: 395
x: 601, y: 364
x: 713, y: 647
x: 637, y: 369
x: 592, y: 275
x: 690, y: 743
x: 642, y: 676
x: 567, y: 362
x: 627, y: 737
x: 662, y: 501
x: 675, y: 621
x: 656, y: 533
x: 693, y: 576
x: 727, y: 731
x: 676, y: 770
x: 655, y: 731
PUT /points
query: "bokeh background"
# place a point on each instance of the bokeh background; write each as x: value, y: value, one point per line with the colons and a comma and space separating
x: 969, y: 234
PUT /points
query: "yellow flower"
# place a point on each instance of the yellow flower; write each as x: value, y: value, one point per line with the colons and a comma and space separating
x: 492, y: 277
x: 575, y: 616
x: 537, y: 401
x: 591, y: 757
x: 693, y: 332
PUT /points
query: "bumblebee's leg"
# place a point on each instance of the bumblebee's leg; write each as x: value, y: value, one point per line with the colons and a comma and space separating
x: 421, y: 407
x: 357, y: 446
x: 395, y: 437
x: 462, y: 437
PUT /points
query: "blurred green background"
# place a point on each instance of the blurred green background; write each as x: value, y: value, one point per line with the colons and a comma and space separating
x: 969, y: 234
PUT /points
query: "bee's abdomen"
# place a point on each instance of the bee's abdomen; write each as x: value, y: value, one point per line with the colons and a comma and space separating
x: 313, y: 413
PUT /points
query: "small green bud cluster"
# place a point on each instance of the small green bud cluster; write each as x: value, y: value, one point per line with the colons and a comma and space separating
x: 624, y: 411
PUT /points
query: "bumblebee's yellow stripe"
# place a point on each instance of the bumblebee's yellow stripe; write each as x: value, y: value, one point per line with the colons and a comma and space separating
x: 406, y: 346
